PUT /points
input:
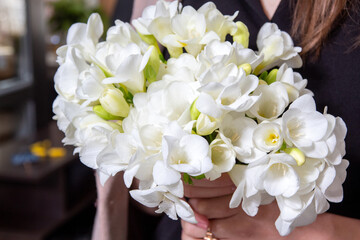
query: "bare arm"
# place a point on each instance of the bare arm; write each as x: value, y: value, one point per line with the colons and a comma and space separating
x: 139, y: 6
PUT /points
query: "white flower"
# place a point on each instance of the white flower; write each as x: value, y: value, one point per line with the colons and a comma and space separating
x: 186, y: 153
x: 89, y: 86
x: 293, y: 82
x: 245, y: 177
x: 279, y: 177
x: 226, y: 88
x: 166, y: 200
x: 85, y: 36
x: 268, y: 137
x: 91, y: 137
x: 59, y: 106
x: 216, y: 52
x: 66, y: 114
x: 335, y: 139
x: 224, y: 53
x: 217, y: 22
x: 141, y: 166
x: 124, y: 65
x: 117, y: 154
x: 183, y: 68
x: 273, y: 99
x: 295, y: 211
x: 67, y: 76
x: 306, y: 128
x: 222, y: 157
x: 123, y: 34
x: 162, y: 11
x: 238, y: 131
x: 189, y: 29
x: 333, y: 189
x: 277, y: 48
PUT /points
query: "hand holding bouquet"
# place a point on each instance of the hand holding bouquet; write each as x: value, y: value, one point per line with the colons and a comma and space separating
x: 213, y: 107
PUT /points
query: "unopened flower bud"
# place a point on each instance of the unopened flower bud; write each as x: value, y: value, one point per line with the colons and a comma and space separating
x: 271, y: 77
x: 101, y: 112
x: 194, y: 112
x: 242, y: 34
x: 246, y: 67
x: 205, y: 125
x: 297, y: 154
x: 152, y: 67
x: 113, y: 101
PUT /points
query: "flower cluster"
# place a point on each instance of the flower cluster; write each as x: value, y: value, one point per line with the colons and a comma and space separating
x: 213, y: 107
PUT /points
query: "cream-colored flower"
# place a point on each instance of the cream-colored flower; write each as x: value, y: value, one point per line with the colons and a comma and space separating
x: 113, y: 101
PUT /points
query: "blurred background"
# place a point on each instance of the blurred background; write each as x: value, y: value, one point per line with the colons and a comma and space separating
x: 45, y: 192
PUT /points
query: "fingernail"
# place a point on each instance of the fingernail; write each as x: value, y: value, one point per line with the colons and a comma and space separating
x: 202, y: 225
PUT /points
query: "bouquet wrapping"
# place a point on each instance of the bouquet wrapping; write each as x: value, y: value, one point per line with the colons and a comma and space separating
x: 213, y: 107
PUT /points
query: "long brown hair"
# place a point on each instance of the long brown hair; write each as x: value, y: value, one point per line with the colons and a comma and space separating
x: 313, y: 21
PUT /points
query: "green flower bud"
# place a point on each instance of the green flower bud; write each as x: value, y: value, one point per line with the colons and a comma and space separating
x: 101, y: 112
x: 271, y: 77
x: 152, y: 67
x: 246, y: 67
x: 297, y: 154
x: 175, y: 52
x: 151, y: 40
x: 194, y: 112
x: 113, y: 101
x: 242, y: 34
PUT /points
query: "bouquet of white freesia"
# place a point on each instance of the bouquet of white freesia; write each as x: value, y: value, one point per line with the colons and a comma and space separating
x: 213, y: 107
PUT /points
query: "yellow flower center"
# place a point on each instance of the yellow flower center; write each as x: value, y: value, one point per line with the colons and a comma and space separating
x: 272, y: 139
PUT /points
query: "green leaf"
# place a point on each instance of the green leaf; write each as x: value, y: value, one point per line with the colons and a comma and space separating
x: 101, y: 112
x: 202, y: 176
x: 187, y: 179
x: 264, y: 75
x: 127, y: 95
x: 211, y: 137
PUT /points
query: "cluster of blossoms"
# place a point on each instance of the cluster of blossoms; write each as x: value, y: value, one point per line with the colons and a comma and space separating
x: 213, y: 107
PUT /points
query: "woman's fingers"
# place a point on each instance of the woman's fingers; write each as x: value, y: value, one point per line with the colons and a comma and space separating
x: 186, y: 237
x: 205, y: 192
x: 242, y: 226
x: 208, y: 189
x: 217, y: 207
x: 222, y: 181
x: 191, y: 231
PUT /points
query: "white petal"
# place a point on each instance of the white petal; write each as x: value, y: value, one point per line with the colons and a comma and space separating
x: 305, y: 103
x: 207, y: 105
x: 164, y: 175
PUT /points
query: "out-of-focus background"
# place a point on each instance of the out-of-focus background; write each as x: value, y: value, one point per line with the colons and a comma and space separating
x: 45, y: 192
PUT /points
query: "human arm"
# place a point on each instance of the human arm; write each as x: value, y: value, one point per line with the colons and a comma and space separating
x: 226, y: 223
x: 111, y: 221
